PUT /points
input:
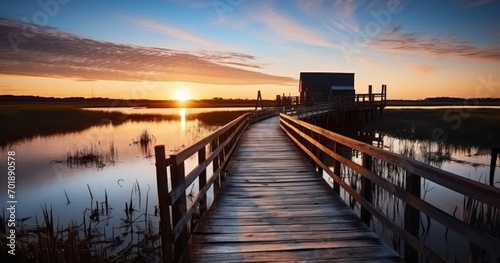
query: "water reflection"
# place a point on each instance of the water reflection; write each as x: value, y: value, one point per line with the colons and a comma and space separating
x: 467, y: 161
x: 182, y: 114
x: 122, y: 174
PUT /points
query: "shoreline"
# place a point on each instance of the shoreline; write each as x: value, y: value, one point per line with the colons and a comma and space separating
x: 216, y: 102
x: 25, y: 122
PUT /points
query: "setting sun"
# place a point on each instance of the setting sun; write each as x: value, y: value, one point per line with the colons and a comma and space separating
x: 181, y: 95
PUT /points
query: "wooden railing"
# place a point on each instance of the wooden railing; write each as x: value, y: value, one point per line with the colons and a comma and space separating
x: 214, y: 149
x: 301, y: 112
x: 287, y: 101
x: 312, y: 141
x: 338, y: 105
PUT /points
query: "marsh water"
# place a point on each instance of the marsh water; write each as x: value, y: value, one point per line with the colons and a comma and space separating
x: 126, y: 173
x: 45, y: 180
x: 472, y: 162
x: 469, y: 162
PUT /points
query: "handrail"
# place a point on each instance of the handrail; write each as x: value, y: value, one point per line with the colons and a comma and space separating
x: 311, y: 141
x: 305, y: 112
x: 174, y: 212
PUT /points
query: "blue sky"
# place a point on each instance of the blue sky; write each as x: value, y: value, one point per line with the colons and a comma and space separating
x: 232, y: 48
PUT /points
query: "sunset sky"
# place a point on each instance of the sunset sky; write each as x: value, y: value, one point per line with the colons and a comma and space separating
x: 133, y: 49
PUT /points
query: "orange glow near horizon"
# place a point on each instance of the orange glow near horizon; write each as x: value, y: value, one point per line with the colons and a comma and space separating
x: 402, y: 86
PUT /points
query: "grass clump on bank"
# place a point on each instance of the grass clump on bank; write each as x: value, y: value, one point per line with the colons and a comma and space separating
x: 218, y: 117
x: 478, y: 127
x: 134, y: 237
x: 27, y: 121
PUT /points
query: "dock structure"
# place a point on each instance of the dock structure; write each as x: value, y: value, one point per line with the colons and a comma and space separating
x: 276, y: 207
x: 338, y: 109
x: 271, y: 202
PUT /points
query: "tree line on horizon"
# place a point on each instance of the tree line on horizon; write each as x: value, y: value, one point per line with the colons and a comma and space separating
x: 76, y: 100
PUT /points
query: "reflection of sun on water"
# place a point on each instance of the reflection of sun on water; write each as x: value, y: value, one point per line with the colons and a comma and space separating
x: 183, y: 119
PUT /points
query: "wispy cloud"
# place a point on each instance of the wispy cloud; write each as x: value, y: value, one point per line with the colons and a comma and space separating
x: 424, y: 68
x: 441, y: 46
x: 231, y: 58
x: 286, y: 26
x: 469, y: 4
x: 169, y: 30
x: 193, y: 3
x: 52, y: 53
x: 338, y: 16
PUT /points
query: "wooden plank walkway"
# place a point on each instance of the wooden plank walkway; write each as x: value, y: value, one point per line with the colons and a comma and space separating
x: 276, y: 208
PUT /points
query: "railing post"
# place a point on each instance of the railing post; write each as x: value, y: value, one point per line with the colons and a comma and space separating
x: 164, y: 205
x: 215, y: 164
x: 213, y: 146
x: 318, y: 154
x: 202, y: 181
x: 336, y: 167
x: 370, y: 94
x: 366, y: 189
x: 493, y: 164
x: 179, y: 207
x: 412, y: 215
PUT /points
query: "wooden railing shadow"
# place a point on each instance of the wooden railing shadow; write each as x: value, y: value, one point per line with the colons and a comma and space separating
x: 312, y: 141
x: 215, y: 149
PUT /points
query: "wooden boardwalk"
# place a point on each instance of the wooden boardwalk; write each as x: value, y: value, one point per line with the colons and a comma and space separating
x: 276, y: 208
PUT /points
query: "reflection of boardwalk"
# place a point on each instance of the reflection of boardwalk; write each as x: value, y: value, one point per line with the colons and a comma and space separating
x: 277, y: 208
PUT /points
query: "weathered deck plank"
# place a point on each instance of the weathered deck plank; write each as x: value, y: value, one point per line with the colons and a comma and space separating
x: 276, y: 208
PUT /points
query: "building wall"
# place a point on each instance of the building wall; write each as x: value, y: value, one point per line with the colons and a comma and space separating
x: 316, y: 87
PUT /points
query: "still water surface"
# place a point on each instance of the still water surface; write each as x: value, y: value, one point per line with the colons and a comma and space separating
x: 44, y: 178
x: 469, y: 162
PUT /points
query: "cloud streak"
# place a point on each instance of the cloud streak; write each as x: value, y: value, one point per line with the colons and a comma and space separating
x: 338, y: 16
x: 170, y: 31
x: 277, y: 22
x: 52, y: 53
x: 469, y: 4
x: 424, y: 68
x: 443, y: 46
x: 289, y: 29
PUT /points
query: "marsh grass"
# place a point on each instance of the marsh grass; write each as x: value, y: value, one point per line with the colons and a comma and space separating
x: 485, y: 218
x: 91, y: 156
x: 95, y: 239
x: 145, y: 140
x: 475, y: 213
x: 218, y: 117
x: 27, y: 121
x: 479, y: 127
x: 31, y: 120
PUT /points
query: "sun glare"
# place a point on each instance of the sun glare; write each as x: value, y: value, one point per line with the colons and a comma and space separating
x: 181, y: 95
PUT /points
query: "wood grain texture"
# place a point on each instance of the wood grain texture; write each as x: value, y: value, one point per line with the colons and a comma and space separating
x: 277, y: 208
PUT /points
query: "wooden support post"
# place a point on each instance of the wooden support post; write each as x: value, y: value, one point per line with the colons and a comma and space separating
x: 318, y: 154
x: 215, y: 164
x: 179, y: 207
x: 164, y: 205
x: 202, y: 181
x: 412, y: 215
x: 366, y: 189
x: 336, y: 168
x: 214, y: 145
x: 370, y: 94
x: 383, y: 100
x: 259, y: 101
x: 493, y: 164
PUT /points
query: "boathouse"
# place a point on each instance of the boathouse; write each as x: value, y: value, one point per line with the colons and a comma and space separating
x: 324, y: 87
